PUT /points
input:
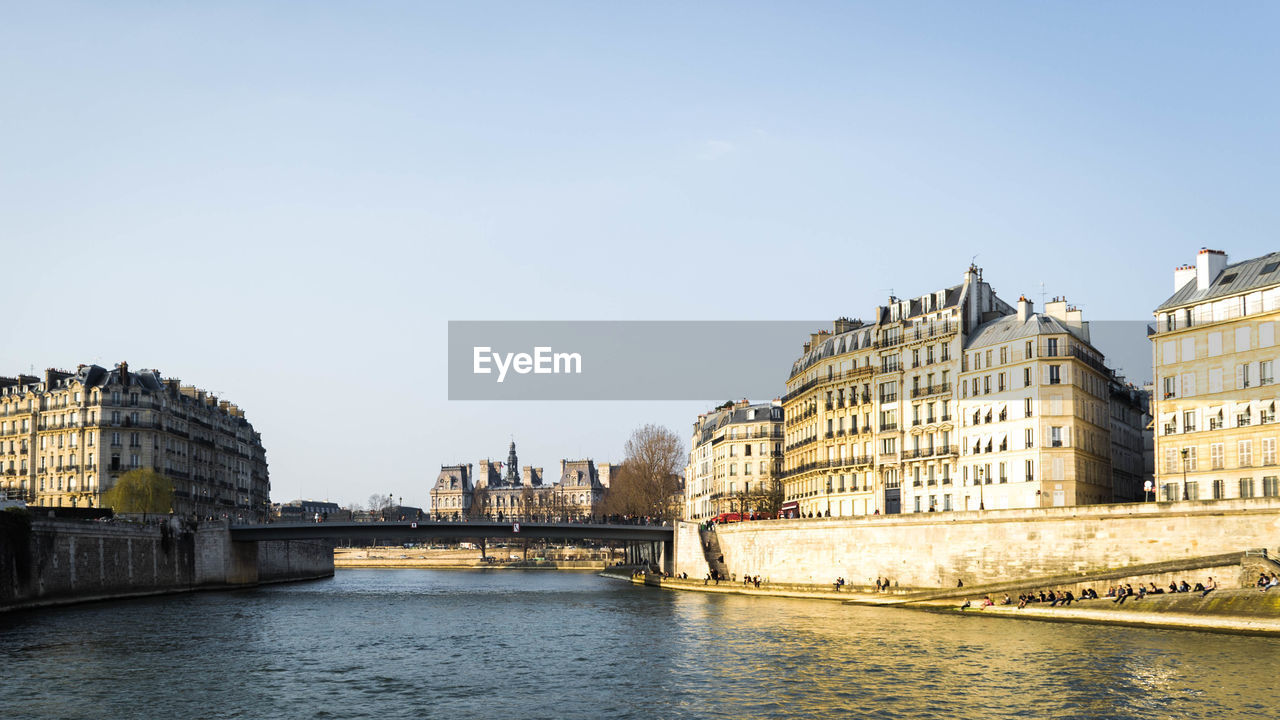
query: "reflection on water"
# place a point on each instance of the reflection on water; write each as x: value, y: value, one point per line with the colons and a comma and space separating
x: 508, y: 644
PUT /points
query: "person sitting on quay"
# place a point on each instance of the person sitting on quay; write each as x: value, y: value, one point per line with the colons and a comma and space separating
x: 1209, y: 587
x: 1007, y: 600
x: 1155, y: 590
x: 986, y: 602
x: 1184, y: 587
x: 1272, y: 582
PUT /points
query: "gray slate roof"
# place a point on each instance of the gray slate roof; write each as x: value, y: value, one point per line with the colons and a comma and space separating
x: 1235, y: 278
x: 1009, y: 327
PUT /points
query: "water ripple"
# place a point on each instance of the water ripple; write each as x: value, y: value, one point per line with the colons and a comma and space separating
x: 419, y: 644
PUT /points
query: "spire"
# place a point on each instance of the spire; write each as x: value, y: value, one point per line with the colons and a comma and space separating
x: 513, y: 467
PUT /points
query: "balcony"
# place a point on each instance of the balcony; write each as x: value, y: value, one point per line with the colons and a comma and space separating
x: 888, y: 427
x: 927, y: 390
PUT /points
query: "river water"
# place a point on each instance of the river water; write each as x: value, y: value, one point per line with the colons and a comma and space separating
x: 544, y: 644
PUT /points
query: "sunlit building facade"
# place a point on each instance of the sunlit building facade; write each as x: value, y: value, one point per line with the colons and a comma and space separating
x: 66, y: 437
x: 1215, y: 383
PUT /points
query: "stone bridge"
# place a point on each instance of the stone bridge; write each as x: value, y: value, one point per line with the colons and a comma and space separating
x: 658, y: 538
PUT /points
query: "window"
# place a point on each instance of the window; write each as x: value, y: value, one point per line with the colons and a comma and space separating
x: 1246, y: 487
x: 1215, y: 456
x: 1170, y: 388
x: 1189, y: 458
x: 1055, y: 374
x: 1053, y: 347
x: 1268, y: 451
x: 1027, y: 407
x: 1270, y: 488
x: 1266, y: 375
x: 1026, y: 377
x: 1189, y: 421
x: 1219, y: 489
x: 1031, y: 438
x: 1246, y: 454
x: 1031, y: 470
x: 1055, y: 436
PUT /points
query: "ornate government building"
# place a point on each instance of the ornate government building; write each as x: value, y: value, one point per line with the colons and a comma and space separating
x: 67, y: 437
x: 505, y: 491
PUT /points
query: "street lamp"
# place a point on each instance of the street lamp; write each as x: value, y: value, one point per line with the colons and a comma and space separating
x: 981, y: 504
x: 1184, y: 474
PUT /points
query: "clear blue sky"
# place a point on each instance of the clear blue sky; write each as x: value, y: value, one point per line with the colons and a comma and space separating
x: 286, y: 202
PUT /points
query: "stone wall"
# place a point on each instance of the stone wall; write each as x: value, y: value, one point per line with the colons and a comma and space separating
x: 52, y: 562
x: 938, y: 549
x: 286, y: 560
x: 689, y: 557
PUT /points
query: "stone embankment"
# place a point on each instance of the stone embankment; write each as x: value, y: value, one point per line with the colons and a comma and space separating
x: 1241, y: 611
x: 46, y: 562
x: 937, y: 560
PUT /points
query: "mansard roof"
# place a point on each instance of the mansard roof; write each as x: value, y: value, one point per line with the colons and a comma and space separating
x: 1009, y: 327
x: 1255, y: 274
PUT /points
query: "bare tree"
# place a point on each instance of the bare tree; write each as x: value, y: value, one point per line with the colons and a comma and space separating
x: 649, y: 480
x: 380, y: 503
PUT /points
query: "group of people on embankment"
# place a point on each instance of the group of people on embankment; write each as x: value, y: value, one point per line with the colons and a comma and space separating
x: 1118, y: 594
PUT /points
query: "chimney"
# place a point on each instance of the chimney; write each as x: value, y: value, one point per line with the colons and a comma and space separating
x: 1182, y: 275
x: 1024, y: 308
x: 1209, y: 264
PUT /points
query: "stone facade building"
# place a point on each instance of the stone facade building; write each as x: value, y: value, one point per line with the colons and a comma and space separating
x: 735, y: 456
x: 949, y: 401
x: 67, y: 437
x: 1035, y: 420
x: 1215, y: 384
x: 498, y: 490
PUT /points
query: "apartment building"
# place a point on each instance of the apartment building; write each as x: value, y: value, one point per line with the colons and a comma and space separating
x: 1035, y: 416
x: 1215, y: 386
x: 735, y: 456
x: 869, y: 404
x: 952, y: 400
x: 66, y: 437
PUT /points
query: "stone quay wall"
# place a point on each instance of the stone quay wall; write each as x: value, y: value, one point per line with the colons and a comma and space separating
x: 935, y: 550
x: 49, y: 562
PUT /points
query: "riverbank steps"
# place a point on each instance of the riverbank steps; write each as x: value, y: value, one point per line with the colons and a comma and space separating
x: 46, y: 562
x: 1246, y: 611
